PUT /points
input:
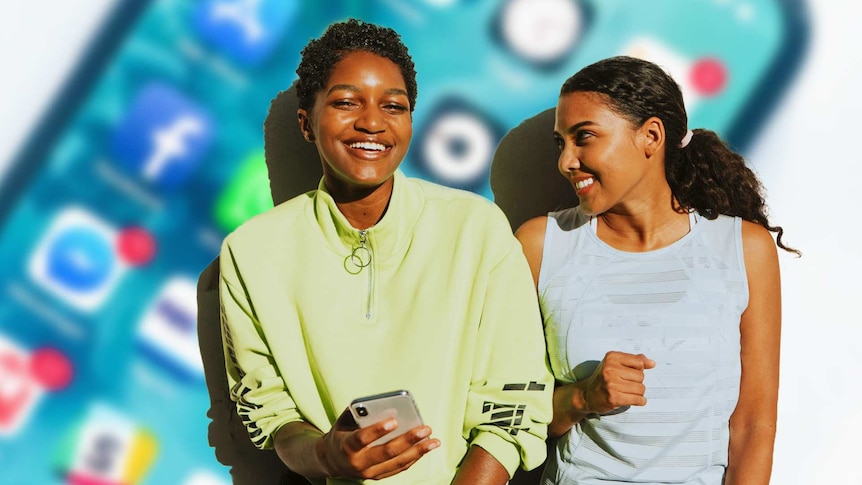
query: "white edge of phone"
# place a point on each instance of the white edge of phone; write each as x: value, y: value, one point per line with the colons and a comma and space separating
x: 378, y: 407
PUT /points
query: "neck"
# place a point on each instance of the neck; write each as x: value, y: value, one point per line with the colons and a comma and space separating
x: 363, y: 207
x: 644, y: 228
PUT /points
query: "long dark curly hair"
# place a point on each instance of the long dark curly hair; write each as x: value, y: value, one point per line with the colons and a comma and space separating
x: 705, y: 175
x: 320, y: 55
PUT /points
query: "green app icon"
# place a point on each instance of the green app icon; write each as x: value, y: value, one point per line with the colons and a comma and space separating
x: 246, y: 195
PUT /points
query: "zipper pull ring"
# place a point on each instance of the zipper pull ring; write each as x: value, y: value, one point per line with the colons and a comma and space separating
x: 360, y: 257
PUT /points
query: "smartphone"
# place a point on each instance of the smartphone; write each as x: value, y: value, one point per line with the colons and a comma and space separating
x: 102, y: 237
x: 396, y: 404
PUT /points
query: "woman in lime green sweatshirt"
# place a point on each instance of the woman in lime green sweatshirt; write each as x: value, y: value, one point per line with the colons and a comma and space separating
x: 376, y: 282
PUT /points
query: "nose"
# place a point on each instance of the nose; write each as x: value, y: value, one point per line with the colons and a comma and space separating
x: 369, y: 120
x: 568, y: 161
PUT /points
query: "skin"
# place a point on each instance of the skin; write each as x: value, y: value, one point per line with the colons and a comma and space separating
x: 365, y: 101
x: 631, y: 200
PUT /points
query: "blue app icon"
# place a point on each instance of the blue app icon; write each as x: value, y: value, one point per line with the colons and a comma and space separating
x: 76, y: 259
x: 80, y: 259
x: 163, y: 136
x: 245, y: 30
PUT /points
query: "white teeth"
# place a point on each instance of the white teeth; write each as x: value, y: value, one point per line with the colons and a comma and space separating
x: 364, y: 145
x: 583, y: 183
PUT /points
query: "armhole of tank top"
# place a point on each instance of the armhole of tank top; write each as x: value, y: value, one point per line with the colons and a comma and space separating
x: 740, y: 254
x: 546, y: 250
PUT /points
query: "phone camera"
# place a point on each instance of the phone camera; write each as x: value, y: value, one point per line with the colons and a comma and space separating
x: 360, y: 410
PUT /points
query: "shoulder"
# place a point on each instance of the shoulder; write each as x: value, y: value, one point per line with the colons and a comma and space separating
x: 759, y: 253
x: 757, y: 241
x: 462, y: 207
x: 440, y: 194
x: 531, y: 235
x: 270, y: 223
x: 532, y: 232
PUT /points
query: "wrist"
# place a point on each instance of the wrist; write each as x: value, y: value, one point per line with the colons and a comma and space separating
x: 322, y: 457
x: 578, y: 406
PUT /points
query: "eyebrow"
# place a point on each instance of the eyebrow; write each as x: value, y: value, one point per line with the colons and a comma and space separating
x: 577, y: 126
x: 355, y: 89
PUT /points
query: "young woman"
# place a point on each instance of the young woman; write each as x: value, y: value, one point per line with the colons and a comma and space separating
x: 376, y: 282
x: 660, y: 292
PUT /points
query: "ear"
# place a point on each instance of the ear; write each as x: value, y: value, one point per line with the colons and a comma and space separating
x: 653, y: 135
x: 305, y: 125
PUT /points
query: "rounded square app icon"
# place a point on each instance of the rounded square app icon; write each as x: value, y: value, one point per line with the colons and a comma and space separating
x: 163, y: 136
x: 76, y: 260
x: 246, y: 195
x: 456, y: 144
x: 543, y: 33
x: 167, y: 332
x: 246, y: 31
x: 107, y: 448
x: 25, y: 377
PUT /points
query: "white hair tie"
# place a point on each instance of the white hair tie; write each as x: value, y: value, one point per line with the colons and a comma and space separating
x: 686, y: 139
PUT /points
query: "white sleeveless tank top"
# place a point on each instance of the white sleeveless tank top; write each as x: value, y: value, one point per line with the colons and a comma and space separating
x: 680, y: 306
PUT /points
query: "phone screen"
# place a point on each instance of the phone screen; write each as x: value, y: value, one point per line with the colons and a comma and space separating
x: 155, y: 152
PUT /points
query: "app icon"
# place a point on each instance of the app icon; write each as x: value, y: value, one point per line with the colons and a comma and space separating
x: 456, y: 145
x: 76, y: 259
x: 167, y: 333
x: 25, y: 377
x: 697, y: 79
x: 541, y: 32
x: 107, y: 448
x: 247, y: 194
x: 245, y: 30
x: 163, y: 136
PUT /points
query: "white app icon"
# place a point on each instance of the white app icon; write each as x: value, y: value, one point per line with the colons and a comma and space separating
x: 76, y: 259
x: 168, y: 330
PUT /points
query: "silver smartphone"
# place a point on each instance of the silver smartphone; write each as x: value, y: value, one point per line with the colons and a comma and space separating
x: 396, y: 404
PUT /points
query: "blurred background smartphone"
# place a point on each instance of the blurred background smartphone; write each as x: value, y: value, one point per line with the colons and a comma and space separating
x: 153, y: 153
x: 379, y: 407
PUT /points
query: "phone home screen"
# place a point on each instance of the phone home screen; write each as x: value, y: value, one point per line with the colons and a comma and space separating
x: 125, y: 195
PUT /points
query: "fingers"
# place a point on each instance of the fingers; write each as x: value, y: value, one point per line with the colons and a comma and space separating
x: 396, y: 458
x: 618, y: 382
x: 639, y: 361
x: 380, y: 461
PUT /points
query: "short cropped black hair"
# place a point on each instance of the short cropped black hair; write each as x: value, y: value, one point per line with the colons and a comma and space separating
x: 320, y: 55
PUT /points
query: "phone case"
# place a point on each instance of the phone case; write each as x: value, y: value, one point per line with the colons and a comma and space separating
x: 397, y: 404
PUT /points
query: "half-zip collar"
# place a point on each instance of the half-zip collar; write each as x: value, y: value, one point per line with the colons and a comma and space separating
x: 389, y: 238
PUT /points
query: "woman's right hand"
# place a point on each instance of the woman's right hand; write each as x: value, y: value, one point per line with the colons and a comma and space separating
x: 346, y: 451
x: 616, y: 382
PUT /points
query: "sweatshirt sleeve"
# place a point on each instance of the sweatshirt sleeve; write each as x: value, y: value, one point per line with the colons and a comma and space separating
x: 262, y: 399
x: 510, y: 397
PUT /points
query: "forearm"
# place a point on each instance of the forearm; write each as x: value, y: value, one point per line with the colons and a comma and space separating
x: 569, y: 408
x: 750, y: 459
x: 300, y: 447
x: 480, y: 467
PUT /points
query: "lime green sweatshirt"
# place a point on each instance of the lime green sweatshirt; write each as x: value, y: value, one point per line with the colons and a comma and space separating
x: 445, y: 308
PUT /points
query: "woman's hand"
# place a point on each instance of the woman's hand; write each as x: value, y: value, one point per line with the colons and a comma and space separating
x: 616, y: 382
x: 346, y: 451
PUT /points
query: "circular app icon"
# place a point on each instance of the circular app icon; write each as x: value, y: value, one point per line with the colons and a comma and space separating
x: 542, y: 32
x: 458, y: 148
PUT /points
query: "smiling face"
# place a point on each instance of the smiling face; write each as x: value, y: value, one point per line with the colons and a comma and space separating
x: 360, y: 122
x: 612, y: 165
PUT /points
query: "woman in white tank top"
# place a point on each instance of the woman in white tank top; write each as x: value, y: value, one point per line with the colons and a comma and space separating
x: 660, y: 292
